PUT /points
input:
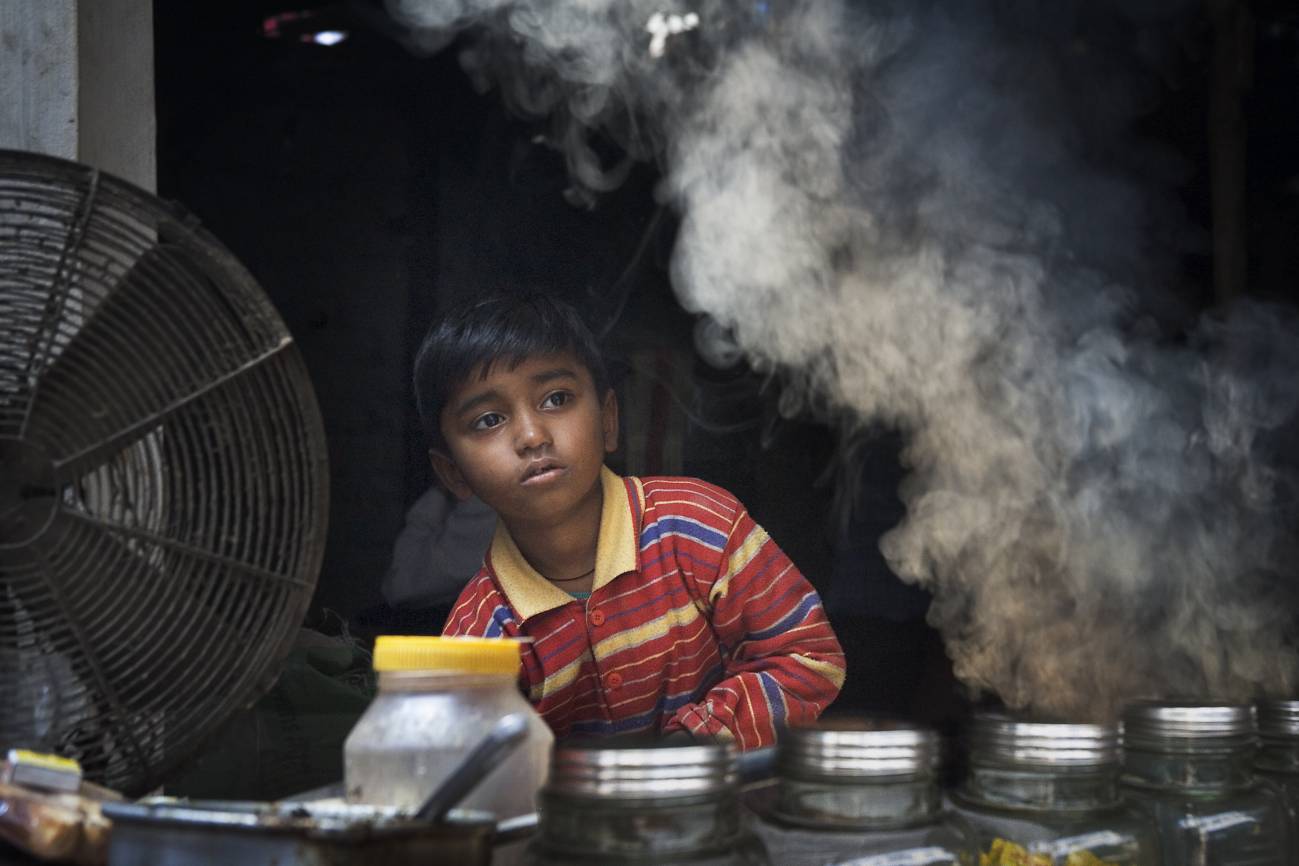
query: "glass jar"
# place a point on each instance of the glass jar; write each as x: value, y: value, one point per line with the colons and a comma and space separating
x: 438, y: 697
x: 1190, y: 765
x: 670, y: 806
x: 859, y: 792
x: 1277, y: 759
x: 1040, y: 793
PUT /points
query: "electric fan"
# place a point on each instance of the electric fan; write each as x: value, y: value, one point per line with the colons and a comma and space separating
x: 163, y: 476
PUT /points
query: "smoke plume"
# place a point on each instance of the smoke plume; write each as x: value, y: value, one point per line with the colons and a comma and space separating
x: 934, y: 215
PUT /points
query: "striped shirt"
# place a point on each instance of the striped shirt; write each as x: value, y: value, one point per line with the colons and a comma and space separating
x: 696, y: 621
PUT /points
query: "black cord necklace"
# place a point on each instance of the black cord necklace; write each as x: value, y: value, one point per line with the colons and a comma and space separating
x: 571, y: 579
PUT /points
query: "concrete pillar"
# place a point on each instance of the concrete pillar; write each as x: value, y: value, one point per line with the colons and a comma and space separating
x: 76, y: 81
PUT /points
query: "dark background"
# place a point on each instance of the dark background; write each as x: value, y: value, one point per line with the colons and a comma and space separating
x: 367, y: 188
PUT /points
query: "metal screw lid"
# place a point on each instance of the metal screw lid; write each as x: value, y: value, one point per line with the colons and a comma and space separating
x: 1045, y: 745
x: 1156, y: 723
x: 859, y: 749
x: 1278, y: 718
x: 642, y: 772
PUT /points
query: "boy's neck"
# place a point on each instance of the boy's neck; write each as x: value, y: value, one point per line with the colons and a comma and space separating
x: 564, y: 550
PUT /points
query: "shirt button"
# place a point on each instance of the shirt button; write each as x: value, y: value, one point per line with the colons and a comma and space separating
x: 613, y: 680
x: 597, y: 617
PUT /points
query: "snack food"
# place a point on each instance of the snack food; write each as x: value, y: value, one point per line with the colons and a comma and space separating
x: 1003, y: 853
x: 59, y: 827
x: 1006, y: 853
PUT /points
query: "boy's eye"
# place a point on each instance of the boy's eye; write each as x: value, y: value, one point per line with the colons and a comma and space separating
x: 487, y: 421
x: 556, y: 399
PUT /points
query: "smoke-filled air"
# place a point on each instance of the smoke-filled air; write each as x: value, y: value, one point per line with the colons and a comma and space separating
x: 937, y: 216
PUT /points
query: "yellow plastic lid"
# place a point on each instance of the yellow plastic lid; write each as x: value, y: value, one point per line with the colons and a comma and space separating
x: 469, y: 655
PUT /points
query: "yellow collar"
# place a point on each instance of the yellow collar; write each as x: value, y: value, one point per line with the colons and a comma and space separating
x: 615, y: 553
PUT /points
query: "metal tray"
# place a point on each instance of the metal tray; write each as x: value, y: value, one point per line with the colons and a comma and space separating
x: 167, y: 832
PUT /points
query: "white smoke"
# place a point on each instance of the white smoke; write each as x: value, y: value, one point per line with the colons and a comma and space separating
x: 919, y: 211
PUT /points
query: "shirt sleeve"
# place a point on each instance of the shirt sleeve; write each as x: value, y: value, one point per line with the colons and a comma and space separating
x: 480, y: 611
x: 783, y: 663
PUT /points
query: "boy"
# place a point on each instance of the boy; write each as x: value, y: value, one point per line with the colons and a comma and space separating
x: 652, y: 605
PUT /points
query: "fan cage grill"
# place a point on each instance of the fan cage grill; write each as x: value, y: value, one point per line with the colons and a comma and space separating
x: 163, y: 476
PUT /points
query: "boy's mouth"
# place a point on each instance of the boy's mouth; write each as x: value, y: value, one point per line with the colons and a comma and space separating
x: 541, y: 471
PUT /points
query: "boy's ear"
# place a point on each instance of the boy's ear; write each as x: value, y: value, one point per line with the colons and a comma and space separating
x: 609, y: 421
x: 449, y: 474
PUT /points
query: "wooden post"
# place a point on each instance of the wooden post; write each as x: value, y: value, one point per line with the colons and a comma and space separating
x: 76, y: 81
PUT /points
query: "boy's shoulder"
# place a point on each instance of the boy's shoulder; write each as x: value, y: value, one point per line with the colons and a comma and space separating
x: 681, y: 494
x: 481, y: 586
x: 481, y: 605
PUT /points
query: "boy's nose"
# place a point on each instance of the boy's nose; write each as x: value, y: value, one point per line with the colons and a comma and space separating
x: 532, y: 433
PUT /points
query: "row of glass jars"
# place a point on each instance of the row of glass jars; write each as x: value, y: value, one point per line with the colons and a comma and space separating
x: 1180, y: 790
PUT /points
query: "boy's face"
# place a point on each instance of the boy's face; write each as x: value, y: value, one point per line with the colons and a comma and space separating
x: 528, y: 441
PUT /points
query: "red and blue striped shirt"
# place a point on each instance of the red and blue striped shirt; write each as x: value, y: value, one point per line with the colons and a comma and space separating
x: 696, y: 621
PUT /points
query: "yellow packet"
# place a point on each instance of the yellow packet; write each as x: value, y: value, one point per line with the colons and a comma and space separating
x: 1006, y: 853
x: 40, y: 771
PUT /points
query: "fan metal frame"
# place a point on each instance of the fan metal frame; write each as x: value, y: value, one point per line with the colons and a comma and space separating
x: 164, y: 484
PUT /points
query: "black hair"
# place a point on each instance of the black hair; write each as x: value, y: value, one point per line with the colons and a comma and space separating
x: 499, y: 328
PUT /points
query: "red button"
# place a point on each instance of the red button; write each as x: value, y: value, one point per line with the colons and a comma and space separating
x: 597, y: 617
x: 613, y: 680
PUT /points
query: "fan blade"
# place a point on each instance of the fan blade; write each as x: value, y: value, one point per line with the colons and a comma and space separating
x: 192, y: 607
x: 192, y: 555
x: 97, y: 452
x: 141, y: 356
x: 89, y: 617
